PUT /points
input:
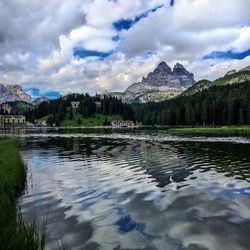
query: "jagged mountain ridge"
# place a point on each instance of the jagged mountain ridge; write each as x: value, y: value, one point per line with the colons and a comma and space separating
x: 144, y: 97
x: 231, y: 77
x: 12, y: 93
x: 164, y: 79
x: 39, y: 100
x: 234, y: 76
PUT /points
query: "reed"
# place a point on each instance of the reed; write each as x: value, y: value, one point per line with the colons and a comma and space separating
x: 227, y: 131
x: 14, y: 232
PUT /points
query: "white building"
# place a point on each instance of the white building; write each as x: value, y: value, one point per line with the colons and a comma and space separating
x: 75, y: 104
x: 122, y: 124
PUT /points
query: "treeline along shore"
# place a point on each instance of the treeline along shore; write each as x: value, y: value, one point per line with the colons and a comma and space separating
x: 14, y: 232
x: 226, y: 105
x: 224, y: 102
x: 81, y: 109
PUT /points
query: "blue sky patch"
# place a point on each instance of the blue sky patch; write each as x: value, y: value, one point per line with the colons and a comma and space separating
x: 52, y: 94
x: 126, y: 24
x: 126, y: 224
x: 172, y: 2
x: 230, y: 54
x: 123, y: 24
x: 148, y: 54
x: 82, y: 53
x: 35, y: 93
x: 116, y: 38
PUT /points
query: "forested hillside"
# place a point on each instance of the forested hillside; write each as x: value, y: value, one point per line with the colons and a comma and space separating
x: 17, y: 107
x: 56, y: 111
x: 217, y: 105
x: 205, y: 103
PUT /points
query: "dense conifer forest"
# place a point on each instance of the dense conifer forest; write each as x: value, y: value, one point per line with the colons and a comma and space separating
x: 56, y: 110
x: 217, y: 105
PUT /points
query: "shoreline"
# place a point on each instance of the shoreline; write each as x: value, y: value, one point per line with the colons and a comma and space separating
x: 199, y: 130
x: 14, y: 232
x: 223, y: 130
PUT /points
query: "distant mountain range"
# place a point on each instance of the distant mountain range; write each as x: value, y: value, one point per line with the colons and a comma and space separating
x: 161, y: 84
x: 12, y: 93
x: 164, y: 79
x: 15, y: 93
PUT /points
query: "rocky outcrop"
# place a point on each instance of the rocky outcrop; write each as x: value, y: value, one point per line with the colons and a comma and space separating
x: 197, y: 87
x: 234, y: 71
x: 234, y: 77
x: 245, y: 69
x: 230, y: 72
x: 39, y: 100
x: 163, y: 78
x: 12, y: 93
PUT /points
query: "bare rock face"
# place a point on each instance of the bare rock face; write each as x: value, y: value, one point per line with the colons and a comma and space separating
x: 231, y: 72
x: 186, y: 78
x: 245, y: 69
x: 164, y: 79
x: 12, y: 93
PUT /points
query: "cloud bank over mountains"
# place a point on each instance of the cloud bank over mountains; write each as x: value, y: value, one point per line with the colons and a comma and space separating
x: 96, y: 45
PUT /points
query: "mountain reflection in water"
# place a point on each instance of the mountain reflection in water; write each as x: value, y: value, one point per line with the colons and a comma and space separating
x: 114, y: 193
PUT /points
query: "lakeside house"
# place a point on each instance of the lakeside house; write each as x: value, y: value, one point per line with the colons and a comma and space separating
x: 122, y: 123
x: 12, y: 120
x: 40, y: 123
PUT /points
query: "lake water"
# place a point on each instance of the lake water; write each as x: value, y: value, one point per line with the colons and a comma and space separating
x: 140, y: 189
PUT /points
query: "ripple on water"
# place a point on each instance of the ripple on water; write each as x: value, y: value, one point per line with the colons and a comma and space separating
x: 139, y: 191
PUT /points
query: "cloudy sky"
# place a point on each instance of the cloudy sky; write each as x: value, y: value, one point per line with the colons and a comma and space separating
x: 55, y: 46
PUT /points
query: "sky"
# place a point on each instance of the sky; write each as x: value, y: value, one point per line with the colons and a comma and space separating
x: 55, y: 47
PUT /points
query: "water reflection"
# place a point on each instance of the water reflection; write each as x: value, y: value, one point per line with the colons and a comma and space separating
x: 108, y: 193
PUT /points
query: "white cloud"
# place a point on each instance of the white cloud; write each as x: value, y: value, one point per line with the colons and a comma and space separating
x: 102, y: 14
x: 37, y: 40
x: 242, y: 41
x: 13, y: 61
x: 202, y: 15
x: 213, y: 69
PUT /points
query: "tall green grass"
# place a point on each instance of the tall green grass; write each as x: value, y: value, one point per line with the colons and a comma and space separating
x: 14, y: 232
x: 230, y: 130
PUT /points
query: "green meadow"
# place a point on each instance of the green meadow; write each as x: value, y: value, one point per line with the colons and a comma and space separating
x: 230, y: 130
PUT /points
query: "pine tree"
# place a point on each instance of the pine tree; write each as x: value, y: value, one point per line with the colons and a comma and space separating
x: 79, y: 121
x: 71, y: 113
x: 241, y: 118
x: 248, y: 113
x: 204, y: 112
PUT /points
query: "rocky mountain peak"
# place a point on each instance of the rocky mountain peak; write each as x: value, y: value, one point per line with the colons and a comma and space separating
x: 164, y: 79
x: 15, y: 87
x: 162, y: 67
x: 12, y: 93
x: 179, y: 69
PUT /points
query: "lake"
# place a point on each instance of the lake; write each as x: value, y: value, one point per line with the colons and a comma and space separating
x: 137, y: 189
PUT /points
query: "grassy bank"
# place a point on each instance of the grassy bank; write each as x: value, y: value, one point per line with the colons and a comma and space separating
x: 231, y: 130
x: 96, y: 120
x: 78, y: 120
x: 14, y: 233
